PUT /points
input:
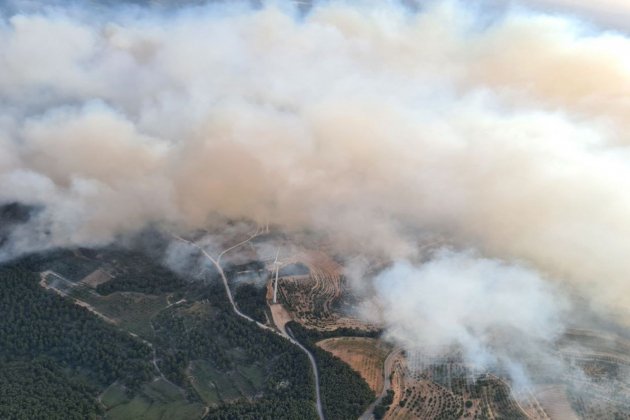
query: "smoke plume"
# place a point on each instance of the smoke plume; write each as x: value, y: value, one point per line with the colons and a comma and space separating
x: 501, y: 316
x: 503, y: 129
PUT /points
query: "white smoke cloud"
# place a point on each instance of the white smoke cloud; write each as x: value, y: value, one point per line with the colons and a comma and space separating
x: 607, y: 13
x: 368, y: 122
x: 500, y: 315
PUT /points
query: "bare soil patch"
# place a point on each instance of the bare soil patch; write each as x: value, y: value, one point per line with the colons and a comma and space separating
x: 95, y: 278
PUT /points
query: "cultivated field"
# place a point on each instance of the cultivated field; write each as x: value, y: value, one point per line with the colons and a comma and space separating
x: 445, y: 389
x: 365, y: 355
x: 554, y: 402
x: 157, y: 400
x: 316, y: 300
x: 132, y: 311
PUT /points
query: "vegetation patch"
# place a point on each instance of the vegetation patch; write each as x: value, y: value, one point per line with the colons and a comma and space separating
x: 157, y: 400
x: 36, y: 323
x: 38, y: 389
x: 365, y: 355
x: 344, y: 393
x: 132, y: 310
x: 252, y: 301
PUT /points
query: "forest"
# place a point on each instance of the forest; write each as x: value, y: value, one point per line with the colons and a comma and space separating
x: 56, y: 357
x: 345, y: 395
x: 39, y: 389
x: 183, y: 336
x: 251, y: 300
x: 37, y: 323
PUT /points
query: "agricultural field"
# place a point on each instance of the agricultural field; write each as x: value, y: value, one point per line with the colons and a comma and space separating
x: 603, y: 389
x: 156, y: 400
x: 216, y: 387
x: 364, y: 355
x: 132, y: 311
x: 427, y: 387
x: 319, y: 299
x: 446, y: 390
x: 211, y: 385
x: 311, y: 297
x: 553, y: 401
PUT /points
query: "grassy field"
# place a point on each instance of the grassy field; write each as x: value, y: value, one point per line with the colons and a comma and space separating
x: 157, y: 400
x: 254, y: 374
x: 133, y: 310
x: 364, y: 355
x: 214, y: 386
x: 114, y: 395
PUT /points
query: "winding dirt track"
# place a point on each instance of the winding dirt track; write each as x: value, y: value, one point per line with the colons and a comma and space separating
x: 217, y: 264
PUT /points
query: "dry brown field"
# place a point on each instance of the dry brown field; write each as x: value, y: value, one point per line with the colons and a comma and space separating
x: 364, y: 355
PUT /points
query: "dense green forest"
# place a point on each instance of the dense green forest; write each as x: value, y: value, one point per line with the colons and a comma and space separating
x: 56, y: 356
x: 135, y: 272
x: 251, y: 300
x: 37, y: 323
x: 345, y: 395
x: 39, y: 389
x: 265, y: 409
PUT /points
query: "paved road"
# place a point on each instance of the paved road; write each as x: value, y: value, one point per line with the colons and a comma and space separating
x: 320, y: 411
x: 217, y: 264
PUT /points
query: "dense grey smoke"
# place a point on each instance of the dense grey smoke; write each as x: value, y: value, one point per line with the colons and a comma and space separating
x: 503, y: 132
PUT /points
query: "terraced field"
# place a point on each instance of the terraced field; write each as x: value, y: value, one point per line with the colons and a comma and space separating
x: 314, y: 300
x: 443, y: 387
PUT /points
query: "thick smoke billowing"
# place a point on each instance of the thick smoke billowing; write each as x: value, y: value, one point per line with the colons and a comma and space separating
x: 500, y: 315
x: 504, y: 132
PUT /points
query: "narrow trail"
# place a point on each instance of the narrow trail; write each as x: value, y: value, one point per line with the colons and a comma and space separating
x: 217, y: 264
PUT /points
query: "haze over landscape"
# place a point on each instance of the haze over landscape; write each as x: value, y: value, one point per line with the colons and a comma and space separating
x: 463, y: 165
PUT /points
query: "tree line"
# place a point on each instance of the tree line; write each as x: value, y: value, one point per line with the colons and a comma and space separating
x: 344, y: 393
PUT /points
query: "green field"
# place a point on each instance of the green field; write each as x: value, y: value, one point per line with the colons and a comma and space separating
x: 254, y: 374
x: 156, y: 400
x: 134, y: 310
x: 213, y: 386
x: 114, y: 395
